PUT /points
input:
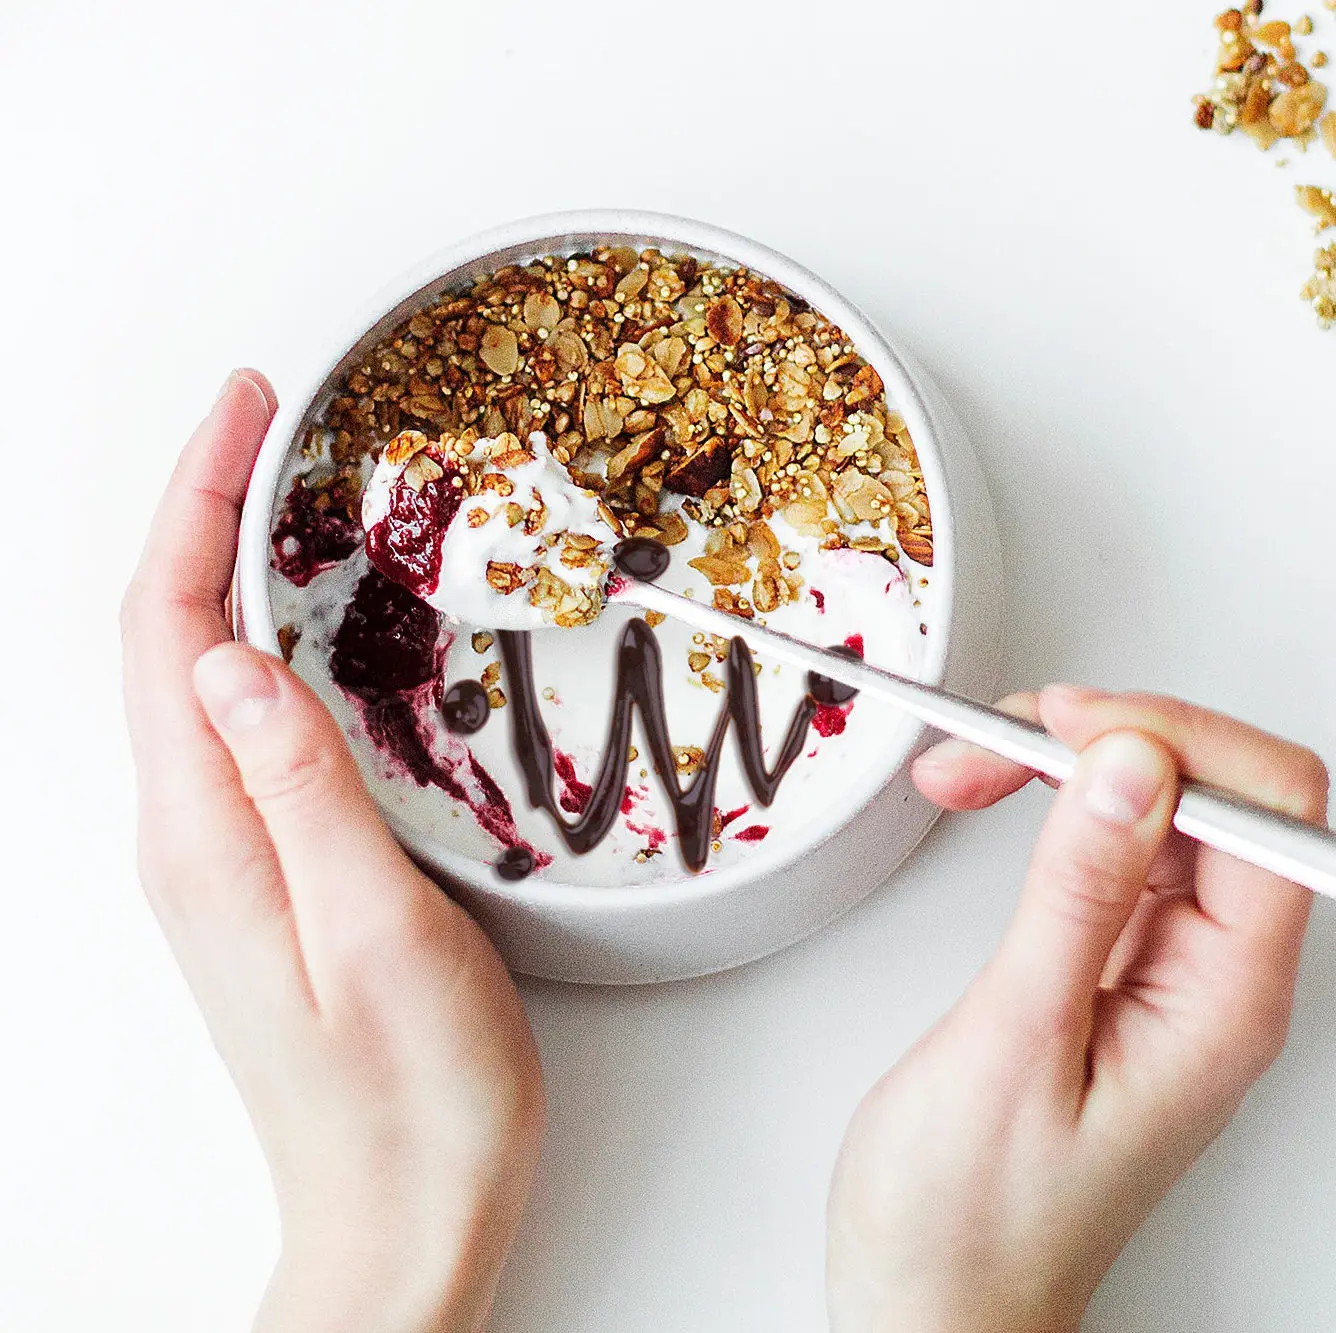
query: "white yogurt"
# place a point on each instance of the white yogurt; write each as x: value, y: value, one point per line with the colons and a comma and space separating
x: 480, y: 534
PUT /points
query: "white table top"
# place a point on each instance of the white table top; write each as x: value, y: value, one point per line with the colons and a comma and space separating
x: 1110, y: 301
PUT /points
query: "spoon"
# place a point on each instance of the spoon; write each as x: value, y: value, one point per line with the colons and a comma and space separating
x: 1302, y: 853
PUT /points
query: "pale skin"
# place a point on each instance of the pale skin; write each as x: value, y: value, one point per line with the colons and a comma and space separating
x: 988, y: 1182
x: 985, y: 1184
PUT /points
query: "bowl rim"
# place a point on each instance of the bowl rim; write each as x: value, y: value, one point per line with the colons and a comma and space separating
x: 550, y: 233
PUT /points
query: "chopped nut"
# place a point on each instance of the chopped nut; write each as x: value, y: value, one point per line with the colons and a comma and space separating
x: 491, y: 674
x: 723, y: 320
x: 698, y: 661
x: 507, y: 577
x: 404, y: 446
x: 496, y: 697
x: 917, y: 546
x: 482, y: 641
x: 654, y: 619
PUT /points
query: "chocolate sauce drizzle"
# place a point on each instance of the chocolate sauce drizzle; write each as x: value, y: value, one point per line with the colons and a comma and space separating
x: 640, y: 686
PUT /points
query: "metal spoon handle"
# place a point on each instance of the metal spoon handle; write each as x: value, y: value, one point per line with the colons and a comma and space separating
x: 1294, y: 850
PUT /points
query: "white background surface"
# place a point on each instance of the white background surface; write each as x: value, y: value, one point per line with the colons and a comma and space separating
x: 1108, y: 299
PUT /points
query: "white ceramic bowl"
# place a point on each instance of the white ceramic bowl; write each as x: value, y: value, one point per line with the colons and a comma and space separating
x: 775, y: 897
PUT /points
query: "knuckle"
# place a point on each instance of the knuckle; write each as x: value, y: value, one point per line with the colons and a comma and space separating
x: 1298, y: 782
x: 1086, y: 892
x: 298, y: 779
x: 1312, y: 778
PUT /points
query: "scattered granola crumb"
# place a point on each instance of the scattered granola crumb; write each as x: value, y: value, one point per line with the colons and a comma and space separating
x: 1260, y: 86
x: 1319, y: 202
x: 482, y: 641
x: 1320, y: 289
x: 1327, y: 128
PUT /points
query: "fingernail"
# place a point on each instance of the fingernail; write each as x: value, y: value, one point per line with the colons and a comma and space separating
x: 236, y: 378
x: 946, y: 754
x: 232, y: 375
x: 1124, y: 775
x: 236, y: 686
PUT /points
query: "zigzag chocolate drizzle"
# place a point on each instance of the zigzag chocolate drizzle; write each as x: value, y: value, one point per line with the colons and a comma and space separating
x: 640, y: 686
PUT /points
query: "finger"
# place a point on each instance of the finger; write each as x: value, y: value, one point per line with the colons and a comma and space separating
x: 208, y: 867
x: 959, y: 776
x: 345, y: 873
x: 196, y: 522
x: 1230, y: 754
x: 1085, y: 879
x: 174, y: 607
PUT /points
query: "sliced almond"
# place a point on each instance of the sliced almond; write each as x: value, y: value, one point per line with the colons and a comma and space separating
x: 499, y: 350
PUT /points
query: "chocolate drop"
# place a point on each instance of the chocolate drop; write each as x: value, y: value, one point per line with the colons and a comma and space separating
x: 827, y: 691
x: 642, y: 558
x: 514, y: 863
x: 465, y: 707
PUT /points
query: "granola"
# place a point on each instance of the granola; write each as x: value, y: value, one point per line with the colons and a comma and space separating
x: 1261, y: 86
x: 671, y: 388
x: 1320, y: 290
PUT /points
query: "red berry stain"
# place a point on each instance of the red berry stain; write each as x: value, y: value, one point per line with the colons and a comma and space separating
x: 654, y: 837
x: 406, y: 544
x: 752, y: 833
x: 819, y: 598
x: 854, y: 643
x: 574, y: 793
x: 725, y: 819
x: 630, y: 799
x: 386, y: 657
x: 308, y: 540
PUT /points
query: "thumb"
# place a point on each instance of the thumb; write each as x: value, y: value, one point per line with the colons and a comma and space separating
x: 336, y: 853
x: 1089, y: 868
